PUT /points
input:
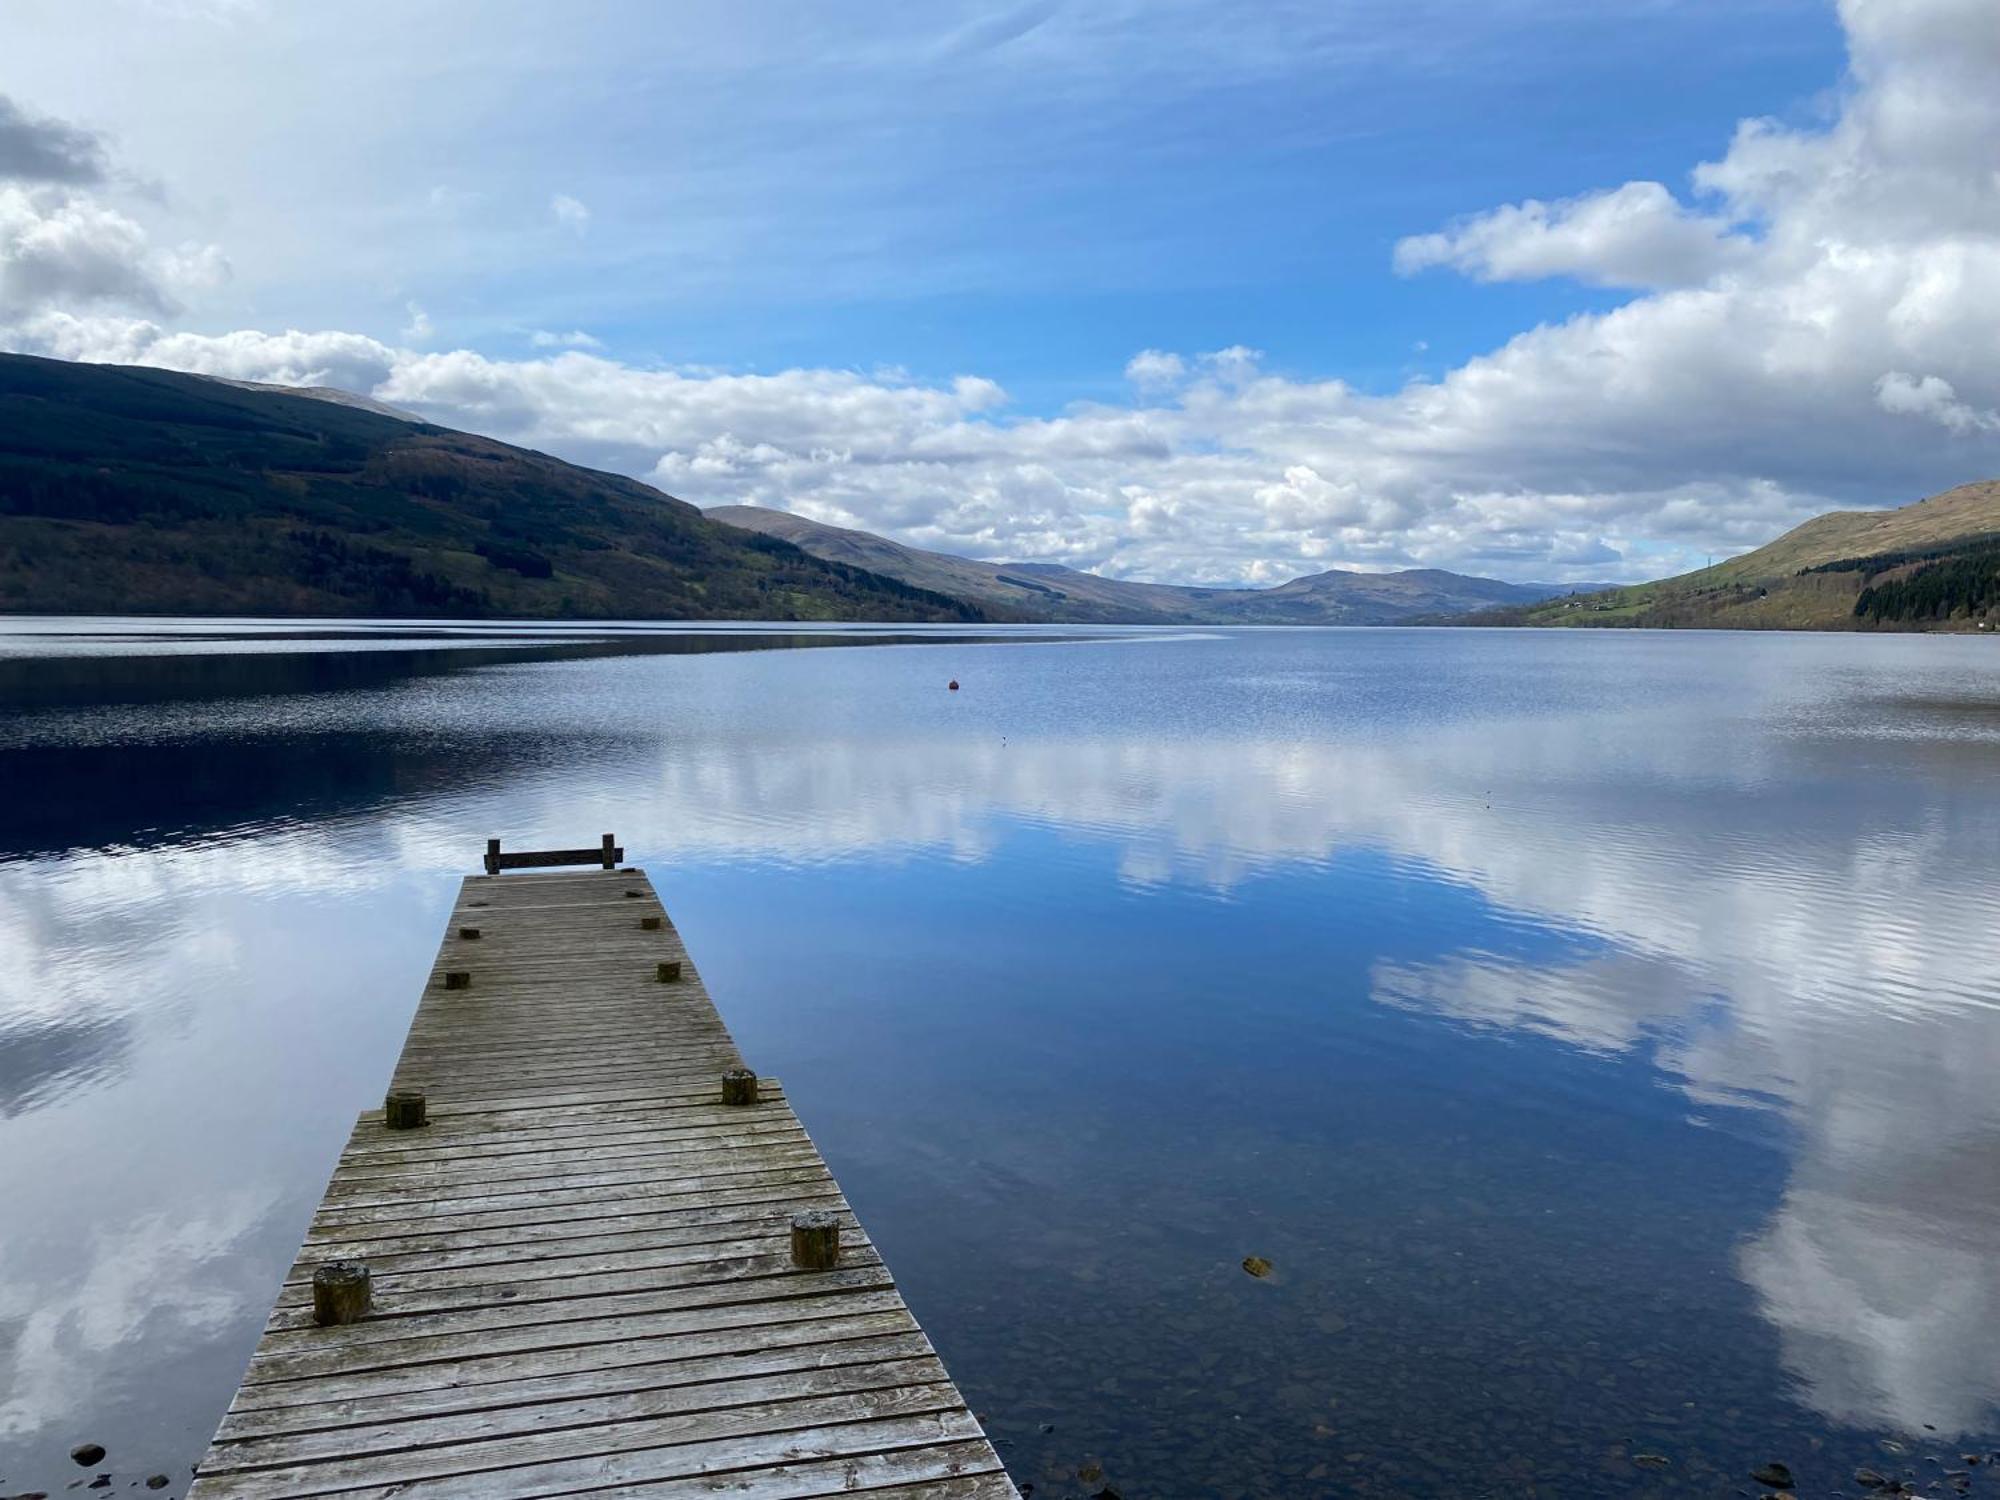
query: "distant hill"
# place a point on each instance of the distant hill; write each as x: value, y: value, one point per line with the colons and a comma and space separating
x: 1933, y: 564
x: 1048, y: 591
x: 131, y: 490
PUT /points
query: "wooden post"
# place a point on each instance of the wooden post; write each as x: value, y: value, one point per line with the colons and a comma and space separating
x: 610, y: 852
x: 403, y: 1109
x: 493, y: 856
x: 469, y: 934
x: 669, y: 972
x: 815, y: 1241
x: 457, y: 979
x: 341, y: 1293
x: 739, y: 1086
x: 650, y: 924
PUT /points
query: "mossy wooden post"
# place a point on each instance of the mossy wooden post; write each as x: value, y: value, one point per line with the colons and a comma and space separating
x: 493, y: 856
x: 403, y: 1109
x: 739, y: 1086
x: 816, y: 1240
x: 341, y: 1293
x: 611, y: 852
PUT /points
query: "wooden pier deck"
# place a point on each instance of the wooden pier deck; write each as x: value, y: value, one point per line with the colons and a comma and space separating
x: 581, y: 1266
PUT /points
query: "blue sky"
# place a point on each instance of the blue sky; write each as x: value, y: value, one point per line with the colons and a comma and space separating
x: 890, y: 266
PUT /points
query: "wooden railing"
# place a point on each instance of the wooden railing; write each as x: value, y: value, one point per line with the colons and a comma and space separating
x: 608, y: 854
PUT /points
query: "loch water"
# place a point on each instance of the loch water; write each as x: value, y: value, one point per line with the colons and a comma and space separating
x: 1598, y: 1032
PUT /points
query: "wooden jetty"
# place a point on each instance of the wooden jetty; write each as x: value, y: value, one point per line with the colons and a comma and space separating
x: 582, y: 1250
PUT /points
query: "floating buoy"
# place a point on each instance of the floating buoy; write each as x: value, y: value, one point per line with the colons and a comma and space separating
x: 952, y: 685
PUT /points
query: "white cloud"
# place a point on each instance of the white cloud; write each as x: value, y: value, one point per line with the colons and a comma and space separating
x: 1154, y: 369
x: 351, y: 361
x: 570, y: 214
x: 576, y: 338
x: 58, y: 248
x: 1933, y: 399
x: 1633, y: 236
x: 420, y: 328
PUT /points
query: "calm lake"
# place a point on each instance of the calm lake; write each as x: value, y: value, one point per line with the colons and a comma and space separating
x: 1598, y: 1032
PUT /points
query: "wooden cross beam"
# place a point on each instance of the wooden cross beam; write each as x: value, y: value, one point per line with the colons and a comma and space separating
x: 608, y: 854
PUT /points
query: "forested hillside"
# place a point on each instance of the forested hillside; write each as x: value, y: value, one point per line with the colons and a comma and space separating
x: 129, y: 490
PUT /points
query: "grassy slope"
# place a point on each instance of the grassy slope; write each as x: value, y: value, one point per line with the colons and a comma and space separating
x: 1767, y: 589
x: 138, y: 490
x: 1040, y: 591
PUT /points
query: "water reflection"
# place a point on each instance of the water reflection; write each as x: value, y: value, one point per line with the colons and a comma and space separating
x: 1766, y: 943
x: 1643, y: 991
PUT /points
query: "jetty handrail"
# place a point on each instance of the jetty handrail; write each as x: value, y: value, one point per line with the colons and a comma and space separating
x: 608, y: 854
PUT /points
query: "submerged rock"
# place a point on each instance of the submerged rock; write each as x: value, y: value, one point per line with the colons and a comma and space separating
x: 1777, y: 1476
x: 1257, y: 1266
x: 87, y: 1454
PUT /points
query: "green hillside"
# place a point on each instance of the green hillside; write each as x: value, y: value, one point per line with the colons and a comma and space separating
x: 1931, y: 565
x: 130, y: 490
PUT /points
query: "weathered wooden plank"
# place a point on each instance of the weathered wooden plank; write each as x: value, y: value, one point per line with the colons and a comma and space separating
x: 395, y: 1343
x: 489, y: 1382
x: 392, y: 1250
x: 582, y: 1263
x: 768, y: 1187
x: 402, y: 1300
x: 780, y: 1349
x: 746, y: 1443
x: 743, y: 1388
x: 460, y: 1453
x: 637, y: 1168
x: 648, y: 1254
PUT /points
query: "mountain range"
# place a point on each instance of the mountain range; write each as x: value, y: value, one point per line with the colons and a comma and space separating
x: 126, y: 489
x: 1049, y: 591
x: 133, y: 490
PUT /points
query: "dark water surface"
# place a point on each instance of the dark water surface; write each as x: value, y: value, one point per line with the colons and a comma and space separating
x: 1600, y: 1032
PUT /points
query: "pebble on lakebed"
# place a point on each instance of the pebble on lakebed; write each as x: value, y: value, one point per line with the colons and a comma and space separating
x: 1257, y: 1266
x: 87, y: 1454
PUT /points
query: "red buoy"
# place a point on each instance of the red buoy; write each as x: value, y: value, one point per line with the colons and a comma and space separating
x: 953, y: 684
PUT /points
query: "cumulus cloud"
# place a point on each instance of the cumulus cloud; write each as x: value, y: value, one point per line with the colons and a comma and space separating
x: 1933, y: 399
x: 61, y: 249
x: 569, y: 213
x: 1634, y: 236
x: 1154, y: 369
x: 420, y: 328
x: 40, y: 150
x: 1839, y: 285
x: 351, y: 361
